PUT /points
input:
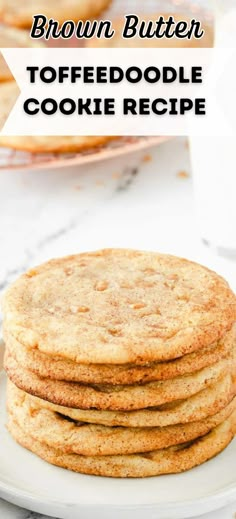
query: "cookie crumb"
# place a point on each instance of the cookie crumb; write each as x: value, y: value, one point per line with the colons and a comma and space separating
x: 182, y: 174
x: 147, y: 158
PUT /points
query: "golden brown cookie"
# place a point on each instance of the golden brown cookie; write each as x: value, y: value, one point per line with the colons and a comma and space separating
x: 118, y: 41
x: 166, y: 461
x: 19, y: 13
x: 40, y: 144
x: 198, y: 407
x: 57, y: 368
x: 97, y: 440
x: 118, y: 306
x: 115, y: 398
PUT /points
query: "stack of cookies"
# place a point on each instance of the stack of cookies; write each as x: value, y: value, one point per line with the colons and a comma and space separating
x: 121, y: 363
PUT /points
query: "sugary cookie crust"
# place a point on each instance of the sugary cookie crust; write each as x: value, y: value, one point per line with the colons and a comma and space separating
x: 167, y: 461
x: 205, y: 403
x: 97, y: 440
x: 119, y: 306
x: 115, y: 398
x: 57, y: 368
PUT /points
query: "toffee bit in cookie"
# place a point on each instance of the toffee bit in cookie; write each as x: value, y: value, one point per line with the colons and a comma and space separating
x: 137, y: 306
x: 31, y: 273
x: 79, y: 309
x: 101, y: 286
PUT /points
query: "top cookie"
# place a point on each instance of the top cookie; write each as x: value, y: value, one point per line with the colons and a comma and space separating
x: 118, y: 41
x: 119, y: 306
x: 19, y: 13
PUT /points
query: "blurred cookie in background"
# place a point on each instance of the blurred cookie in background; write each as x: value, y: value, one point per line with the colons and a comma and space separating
x: 9, y: 92
x: 19, y: 13
x: 12, y: 38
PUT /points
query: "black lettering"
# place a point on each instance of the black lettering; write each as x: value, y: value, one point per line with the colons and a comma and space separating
x: 169, y: 74
x: 32, y: 71
x: 109, y: 106
x: 88, y: 75
x: 71, y: 109
x: 196, y: 30
x: 86, y: 29
x: 84, y: 106
x: 144, y: 106
x: 152, y: 74
x: 101, y: 75
x: 52, y: 30
x: 67, y: 29
x: 63, y: 73
x: 130, y: 27
x: 200, y: 106
x: 146, y: 30
x: 27, y: 109
x: 105, y: 30
x: 97, y: 103
x: 116, y: 75
x: 75, y: 74
x: 47, y: 110
x: 156, y: 110
x: 196, y: 74
x: 173, y: 102
x: 180, y: 30
x: 129, y: 106
x: 169, y: 24
x: 159, y: 26
x: 182, y: 78
x: 129, y: 74
x: 185, y: 105
x: 37, y: 29
x: 48, y: 74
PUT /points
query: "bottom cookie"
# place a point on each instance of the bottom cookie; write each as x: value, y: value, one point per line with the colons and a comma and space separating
x: 165, y: 461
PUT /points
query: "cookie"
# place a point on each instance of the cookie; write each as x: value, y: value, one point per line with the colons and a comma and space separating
x: 41, y: 144
x: 118, y: 306
x: 115, y: 398
x: 19, y: 14
x: 164, y: 461
x: 198, y: 407
x: 12, y: 38
x: 57, y: 368
x: 97, y: 440
x: 118, y: 41
x: 9, y: 93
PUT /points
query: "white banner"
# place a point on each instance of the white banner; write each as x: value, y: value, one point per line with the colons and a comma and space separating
x: 123, y: 92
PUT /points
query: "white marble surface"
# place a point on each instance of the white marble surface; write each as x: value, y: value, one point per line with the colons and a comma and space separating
x: 139, y: 201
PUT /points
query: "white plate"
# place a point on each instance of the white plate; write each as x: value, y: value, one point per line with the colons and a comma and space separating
x: 29, y: 482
